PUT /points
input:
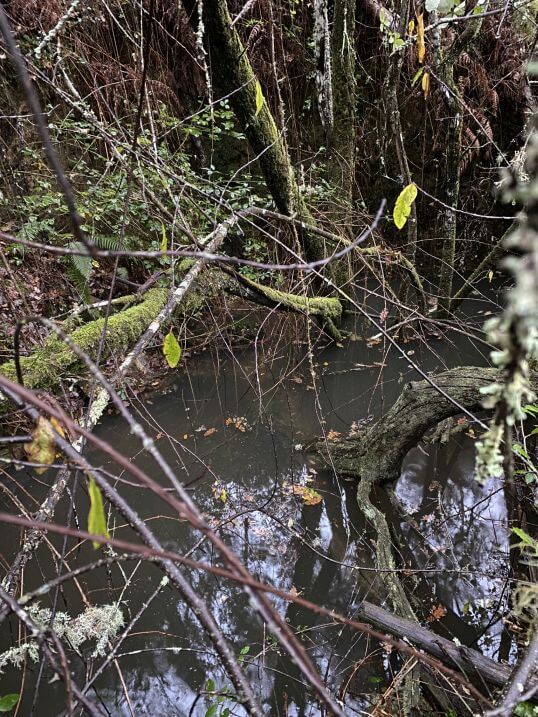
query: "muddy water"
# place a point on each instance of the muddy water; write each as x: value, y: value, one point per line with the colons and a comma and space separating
x: 233, y: 429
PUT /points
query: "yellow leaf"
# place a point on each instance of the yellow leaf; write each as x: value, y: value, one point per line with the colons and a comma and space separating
x: 223, y: 495
x: 96, y: 516
x: 171, y: 350
x: 411, y: 27
x: 42, y: 449
x: 259, y: 98
x: 55, y: 423
x: 490, y: 275
x: 402, y: 208
x: 420, y: 38
x: 426, y: 83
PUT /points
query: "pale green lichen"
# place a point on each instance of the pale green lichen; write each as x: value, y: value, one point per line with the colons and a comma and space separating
x: 515, y: 331
x: 489, y: 458
x: 98, y: 622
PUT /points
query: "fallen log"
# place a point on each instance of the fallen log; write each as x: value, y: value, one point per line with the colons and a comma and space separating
x: 467, y: 660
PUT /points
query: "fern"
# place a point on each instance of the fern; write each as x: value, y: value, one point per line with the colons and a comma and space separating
x: 79, y: 266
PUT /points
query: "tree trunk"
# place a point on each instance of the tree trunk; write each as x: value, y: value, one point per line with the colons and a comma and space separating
x: 463, y: 658
x: 452, y: 188
x: 376, y: 454
x: 342, y: 137
x: 230, y: 65
x: 456, y: 108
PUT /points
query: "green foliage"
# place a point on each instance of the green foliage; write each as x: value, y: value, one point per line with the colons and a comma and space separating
x: 96, y: 516
x: 526, y: 709
x: 218, y: 698
x: 109, y: 204
x: 447, y: 7
x: 213, y: 123
x: 526, y: 540
x: 8, y: 702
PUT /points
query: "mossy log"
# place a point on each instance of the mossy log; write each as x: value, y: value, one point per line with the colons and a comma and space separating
x: 376, y: 453
x: 327, y: 309
x: 47, y: 365
x: 54, y: 360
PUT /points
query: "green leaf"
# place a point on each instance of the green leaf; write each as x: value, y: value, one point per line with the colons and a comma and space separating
x: 96, y: 516
x: 417, y: 76
x: 526, y: 539
x: 212, y: 711
x: 164, y: 240
x: 171, y: 349
x: 259, y: 98
x: 520, y: 451
x: 210, y: 685
x: 402, y: 208
x: 81, y: 262
x: 531, y: 409
x: 8, y: 702
x: 526, y: 709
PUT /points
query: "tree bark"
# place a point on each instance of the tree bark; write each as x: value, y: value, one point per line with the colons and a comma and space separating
x: 342, y: 136
x: 236, y: 78
x: 465, y: 659
x: 376, y: 454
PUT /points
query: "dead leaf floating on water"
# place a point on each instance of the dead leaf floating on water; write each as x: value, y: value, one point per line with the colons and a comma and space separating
x: 238, y: 422
x: 308, y: 495
x: 333, y: 435
x: 436, y: 613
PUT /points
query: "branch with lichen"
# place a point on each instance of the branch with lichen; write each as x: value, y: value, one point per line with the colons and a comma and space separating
x: 515, y: 331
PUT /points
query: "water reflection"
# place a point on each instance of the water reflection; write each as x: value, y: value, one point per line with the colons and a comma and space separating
x: 459, y: 528
x: 236, y: 454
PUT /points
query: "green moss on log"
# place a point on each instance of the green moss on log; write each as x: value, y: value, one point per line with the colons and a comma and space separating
x: 327, y: 309
x: 48, y: 364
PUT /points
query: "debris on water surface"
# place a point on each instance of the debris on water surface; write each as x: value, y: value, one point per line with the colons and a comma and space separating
x: 308, y: 495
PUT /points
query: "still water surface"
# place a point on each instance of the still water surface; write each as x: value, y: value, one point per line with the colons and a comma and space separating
x: 233, y: 430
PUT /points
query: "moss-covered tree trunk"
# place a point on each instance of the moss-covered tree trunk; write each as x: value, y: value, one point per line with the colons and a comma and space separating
x: 47, y: 365
x: 231, y: 68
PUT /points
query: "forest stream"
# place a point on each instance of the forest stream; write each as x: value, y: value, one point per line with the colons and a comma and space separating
x: 235, y: 429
